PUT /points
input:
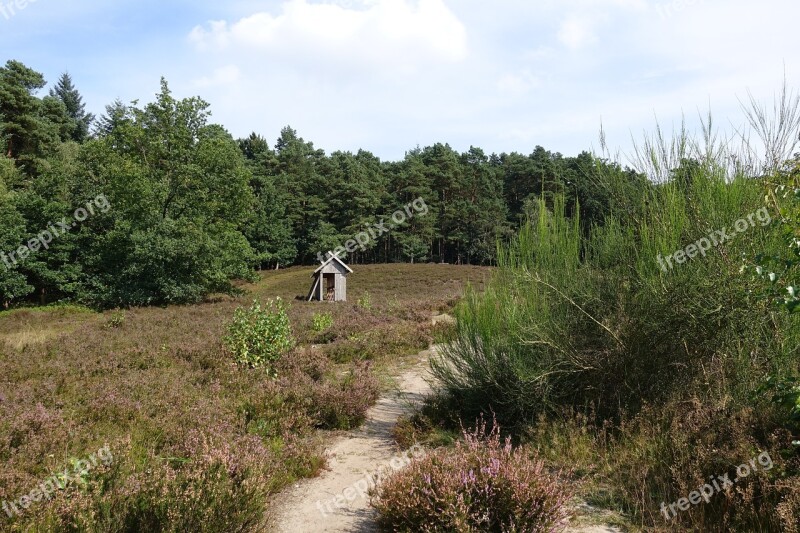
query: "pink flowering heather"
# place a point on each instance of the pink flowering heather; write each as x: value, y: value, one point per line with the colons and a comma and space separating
x: 484, y: 484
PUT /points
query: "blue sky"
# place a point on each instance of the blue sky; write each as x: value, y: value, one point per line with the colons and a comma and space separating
x: 388, y: 75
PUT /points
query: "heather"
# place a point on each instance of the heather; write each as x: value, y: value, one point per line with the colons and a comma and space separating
x: 200, y: 443
x: 483, y: 484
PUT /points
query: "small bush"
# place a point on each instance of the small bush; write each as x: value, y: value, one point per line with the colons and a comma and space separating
x: 322, y: 322
x: 365, y: 302
x: 258, y: 336
x: 116, y: 320
x: 322, y: 325
x: 311, y: 390
x: 343, y: 404
x: 326, y: 337
x: 350, y: 350
x: 444, y: 332
x: 482, y: 485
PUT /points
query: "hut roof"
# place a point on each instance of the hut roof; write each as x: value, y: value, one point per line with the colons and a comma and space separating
x: 332, y: 257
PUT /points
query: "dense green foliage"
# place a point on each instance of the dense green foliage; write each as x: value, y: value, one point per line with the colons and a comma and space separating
x: 192, y: 209
x: 663, y: 362
x: 322, y: 322
x: 259, y: 336
x: 780, y: 275
x: 574, y: 320
x: 781, y: 271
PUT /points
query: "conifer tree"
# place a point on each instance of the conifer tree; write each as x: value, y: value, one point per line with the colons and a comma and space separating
x: 81, y: 120
x: 115, y: 114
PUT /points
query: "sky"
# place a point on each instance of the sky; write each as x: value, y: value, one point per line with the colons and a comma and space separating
x: 390, y: 75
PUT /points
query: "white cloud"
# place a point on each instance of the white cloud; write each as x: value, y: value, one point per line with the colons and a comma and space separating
x: 385, y: 75
x: 385, y: 34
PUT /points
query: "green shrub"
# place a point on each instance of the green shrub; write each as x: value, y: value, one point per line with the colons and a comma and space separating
x: 574, y: 321
x: 322, y: 322
x: 481, y: 485
x: 593, y: 323
x: 365, y: 302
x: 780, y: 273
x: 116, y: 320
x: 258, y: 336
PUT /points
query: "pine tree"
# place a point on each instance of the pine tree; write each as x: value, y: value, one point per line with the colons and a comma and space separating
x: 13, y: 285
x: 116, y: 113
x: 76, y: 109
x: 298, y: 173
x: 19, y: 107
x: 408, y: 183
x: 268, y: 229
x: 30, y: 128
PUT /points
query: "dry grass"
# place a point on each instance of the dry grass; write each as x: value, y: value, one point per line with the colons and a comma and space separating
x: 21, y: 328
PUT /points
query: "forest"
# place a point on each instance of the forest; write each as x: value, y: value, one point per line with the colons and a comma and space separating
x: 155, y: 204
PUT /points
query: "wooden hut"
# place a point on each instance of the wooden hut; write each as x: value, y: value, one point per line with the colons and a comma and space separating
x: 330, y: 281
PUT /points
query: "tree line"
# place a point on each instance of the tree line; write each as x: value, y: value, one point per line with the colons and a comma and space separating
x: 192, y: 209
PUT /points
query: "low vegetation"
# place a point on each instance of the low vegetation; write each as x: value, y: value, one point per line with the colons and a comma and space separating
x: 322, y: 322
x: 199, y: 443
x: 483, y: 484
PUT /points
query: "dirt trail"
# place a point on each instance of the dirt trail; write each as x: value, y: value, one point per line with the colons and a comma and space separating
x: 309, y: 506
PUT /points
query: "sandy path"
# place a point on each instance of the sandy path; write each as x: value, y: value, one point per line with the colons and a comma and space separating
x: 310, y: 506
